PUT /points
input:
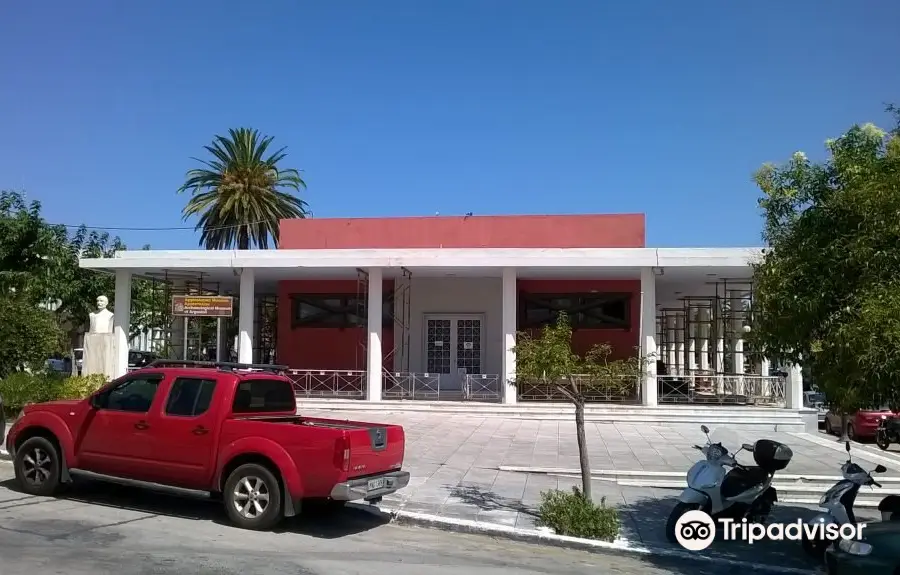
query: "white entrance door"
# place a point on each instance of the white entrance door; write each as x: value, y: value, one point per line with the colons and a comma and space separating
x: 453, y: 348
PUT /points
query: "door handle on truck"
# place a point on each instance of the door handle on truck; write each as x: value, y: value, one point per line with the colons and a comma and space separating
x: 141, y: 425
x: 200, y: 430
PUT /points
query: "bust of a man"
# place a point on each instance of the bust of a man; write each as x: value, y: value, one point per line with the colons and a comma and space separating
x: 102, y: 319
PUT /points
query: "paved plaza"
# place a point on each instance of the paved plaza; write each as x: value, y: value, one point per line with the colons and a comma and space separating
x: 457, y: 465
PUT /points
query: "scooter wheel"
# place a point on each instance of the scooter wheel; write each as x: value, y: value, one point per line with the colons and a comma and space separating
x: 680, y: 509
x: 882, y: 442
x: 814, y: 548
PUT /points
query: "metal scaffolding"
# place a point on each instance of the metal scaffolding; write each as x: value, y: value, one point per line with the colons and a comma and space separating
x: 399, y: 303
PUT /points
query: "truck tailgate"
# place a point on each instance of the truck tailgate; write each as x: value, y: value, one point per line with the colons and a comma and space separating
x: 368, y: 448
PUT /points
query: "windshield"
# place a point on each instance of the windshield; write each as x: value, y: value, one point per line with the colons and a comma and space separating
x: 729, y: 439
x: 814, y: 398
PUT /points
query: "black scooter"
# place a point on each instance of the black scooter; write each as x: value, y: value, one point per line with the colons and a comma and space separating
x: 888, y: 432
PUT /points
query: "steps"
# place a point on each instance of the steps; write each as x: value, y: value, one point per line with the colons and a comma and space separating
x: 750, y: 418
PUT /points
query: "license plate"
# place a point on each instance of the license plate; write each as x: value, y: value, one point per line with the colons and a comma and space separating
x: 376, y: 484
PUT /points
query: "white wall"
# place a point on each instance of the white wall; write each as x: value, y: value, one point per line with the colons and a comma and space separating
x: 449, y: 296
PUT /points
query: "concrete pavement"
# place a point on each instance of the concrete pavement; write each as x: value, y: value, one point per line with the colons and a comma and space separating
x: 102, y: 528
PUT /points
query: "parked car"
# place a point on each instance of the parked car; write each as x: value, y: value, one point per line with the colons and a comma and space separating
x: 213, y: 427
x: 878, y: 553
x: 815, y: 400
x: 139, y: 359
x: 2, y: 419
x: 862, y: 425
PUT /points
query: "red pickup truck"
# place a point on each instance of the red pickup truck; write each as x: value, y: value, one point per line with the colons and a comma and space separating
x: 229, y: 429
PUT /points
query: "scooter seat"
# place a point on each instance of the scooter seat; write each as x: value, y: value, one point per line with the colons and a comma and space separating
x: 741, y: 479
x: 890, y: 504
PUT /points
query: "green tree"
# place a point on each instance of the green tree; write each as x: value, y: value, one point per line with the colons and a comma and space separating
x: 29, y: 335
x: 827, y: 289
x: 547, y: 359
x: 240, y: 194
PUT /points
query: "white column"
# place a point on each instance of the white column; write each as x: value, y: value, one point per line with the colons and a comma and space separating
x: 245, y: 316
x: 679, y: 343
x: 122, y: 320
x: 764, y: 374
x: 690, y: 361
x: 793, y: 387
x: 220, y: 339
x: 373, y: 349
x: 649, y: 390
x: 509, y: 325
x: 672, y: 354
x: 737, y: 315
x: 703, y: 334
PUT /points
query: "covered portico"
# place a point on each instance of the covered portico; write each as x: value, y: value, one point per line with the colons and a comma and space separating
x: 473, y: 297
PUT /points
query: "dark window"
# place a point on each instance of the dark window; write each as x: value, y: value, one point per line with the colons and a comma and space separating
x: 585, y: 311
x: 341, y: 311
x: 134, y: 395
x: 264, y: 395
x: 190, y: 397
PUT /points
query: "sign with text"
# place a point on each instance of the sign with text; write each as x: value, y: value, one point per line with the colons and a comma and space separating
x: 202, y: 306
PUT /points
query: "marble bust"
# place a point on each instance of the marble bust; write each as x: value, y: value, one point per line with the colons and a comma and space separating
x: 102, y: 319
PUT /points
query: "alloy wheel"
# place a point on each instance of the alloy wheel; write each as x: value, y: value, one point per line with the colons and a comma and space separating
x: 251, y: 497
x: 36, y: 466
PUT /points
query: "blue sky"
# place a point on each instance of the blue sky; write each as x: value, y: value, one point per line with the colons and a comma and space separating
x: 417, y: 107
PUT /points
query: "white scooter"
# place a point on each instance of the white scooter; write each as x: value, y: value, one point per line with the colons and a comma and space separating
x: 743, y: 492
x: 838, y: 502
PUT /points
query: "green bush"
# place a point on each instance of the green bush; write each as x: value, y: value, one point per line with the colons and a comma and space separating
x: 573, y: 515
x: 79, y: 387
x: 21, y: 388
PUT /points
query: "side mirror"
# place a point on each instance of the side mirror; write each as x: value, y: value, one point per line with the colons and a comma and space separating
x: 748, y: 447
x: 95, y: 401
x: 705, y: 429
x: 880, y: 469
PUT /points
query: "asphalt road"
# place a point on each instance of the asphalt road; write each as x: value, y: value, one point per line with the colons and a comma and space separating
x: 100, y: 528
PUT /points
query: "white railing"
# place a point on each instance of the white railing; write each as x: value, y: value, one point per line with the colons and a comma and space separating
x: 338, y: 383
x: 620, y: 390
x: 748, y: 389
x: 428, y: 386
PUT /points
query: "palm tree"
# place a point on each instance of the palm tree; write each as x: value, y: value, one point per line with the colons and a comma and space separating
x: 240, y: 195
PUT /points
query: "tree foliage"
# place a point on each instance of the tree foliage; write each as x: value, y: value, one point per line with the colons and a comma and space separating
x: 42, y: 283
x: 241, y: 194
x: 548, y: 359
x: 827, y: 289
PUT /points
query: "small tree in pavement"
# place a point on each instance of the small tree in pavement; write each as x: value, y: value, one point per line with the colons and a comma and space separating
x: 547, y: 359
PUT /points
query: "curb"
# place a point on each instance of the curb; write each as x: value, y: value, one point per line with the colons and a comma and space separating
x: 401, y: 517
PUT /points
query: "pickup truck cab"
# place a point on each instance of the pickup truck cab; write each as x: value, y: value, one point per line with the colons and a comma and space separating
x: 227, y: 429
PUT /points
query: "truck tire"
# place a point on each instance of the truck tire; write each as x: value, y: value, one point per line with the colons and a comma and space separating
x: 37, y: 467
x: 252, y: 497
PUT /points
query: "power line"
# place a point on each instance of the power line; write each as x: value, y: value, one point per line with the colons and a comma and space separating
x: 162, y: 229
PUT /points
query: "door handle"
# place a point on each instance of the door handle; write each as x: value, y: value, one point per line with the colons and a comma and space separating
x: 200, y: 430
x: 141, y: 425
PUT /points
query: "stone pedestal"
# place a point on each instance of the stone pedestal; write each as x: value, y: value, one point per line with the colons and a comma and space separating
x: 100, y: 354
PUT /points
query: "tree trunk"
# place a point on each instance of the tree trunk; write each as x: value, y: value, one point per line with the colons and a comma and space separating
x: 582, y: 451
x: 845, y: 421
x: 243, y: 240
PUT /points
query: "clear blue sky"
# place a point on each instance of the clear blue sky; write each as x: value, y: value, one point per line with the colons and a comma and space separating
x: 421, y: 106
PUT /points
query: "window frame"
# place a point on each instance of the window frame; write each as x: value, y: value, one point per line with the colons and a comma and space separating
x: 350, y: 306
x: 202, y: 380
x: 580, y: 306
x: 154, y: 377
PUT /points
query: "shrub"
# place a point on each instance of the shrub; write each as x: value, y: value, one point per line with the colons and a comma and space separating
x: 573, y: 515
x: 79, y: 387
x: 20, y: 388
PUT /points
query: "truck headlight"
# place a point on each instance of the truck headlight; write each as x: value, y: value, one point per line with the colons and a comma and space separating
x: 854, y: 547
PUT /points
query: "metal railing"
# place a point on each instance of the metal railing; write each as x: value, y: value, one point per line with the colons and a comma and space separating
x: 623, y: 390
x: 746, y: 389
x: 428, y: 386
x: 337, y: 383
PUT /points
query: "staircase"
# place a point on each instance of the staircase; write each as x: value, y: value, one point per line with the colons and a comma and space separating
x: 749, y: 418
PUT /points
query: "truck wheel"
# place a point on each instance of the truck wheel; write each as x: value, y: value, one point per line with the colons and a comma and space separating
x: 253, y: 497
x: 37, y: 467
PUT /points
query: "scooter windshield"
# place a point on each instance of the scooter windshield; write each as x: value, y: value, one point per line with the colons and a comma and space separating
x: 729, y: 439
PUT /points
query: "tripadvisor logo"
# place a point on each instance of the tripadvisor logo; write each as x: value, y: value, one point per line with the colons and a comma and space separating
x: 696, y: 530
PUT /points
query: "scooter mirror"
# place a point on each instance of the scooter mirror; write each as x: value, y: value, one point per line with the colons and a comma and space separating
x: 748, y: 447
x: 705, y: 430
x: 880, y: 469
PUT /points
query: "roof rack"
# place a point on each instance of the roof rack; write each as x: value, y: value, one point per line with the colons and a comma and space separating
x: 222, y: 365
